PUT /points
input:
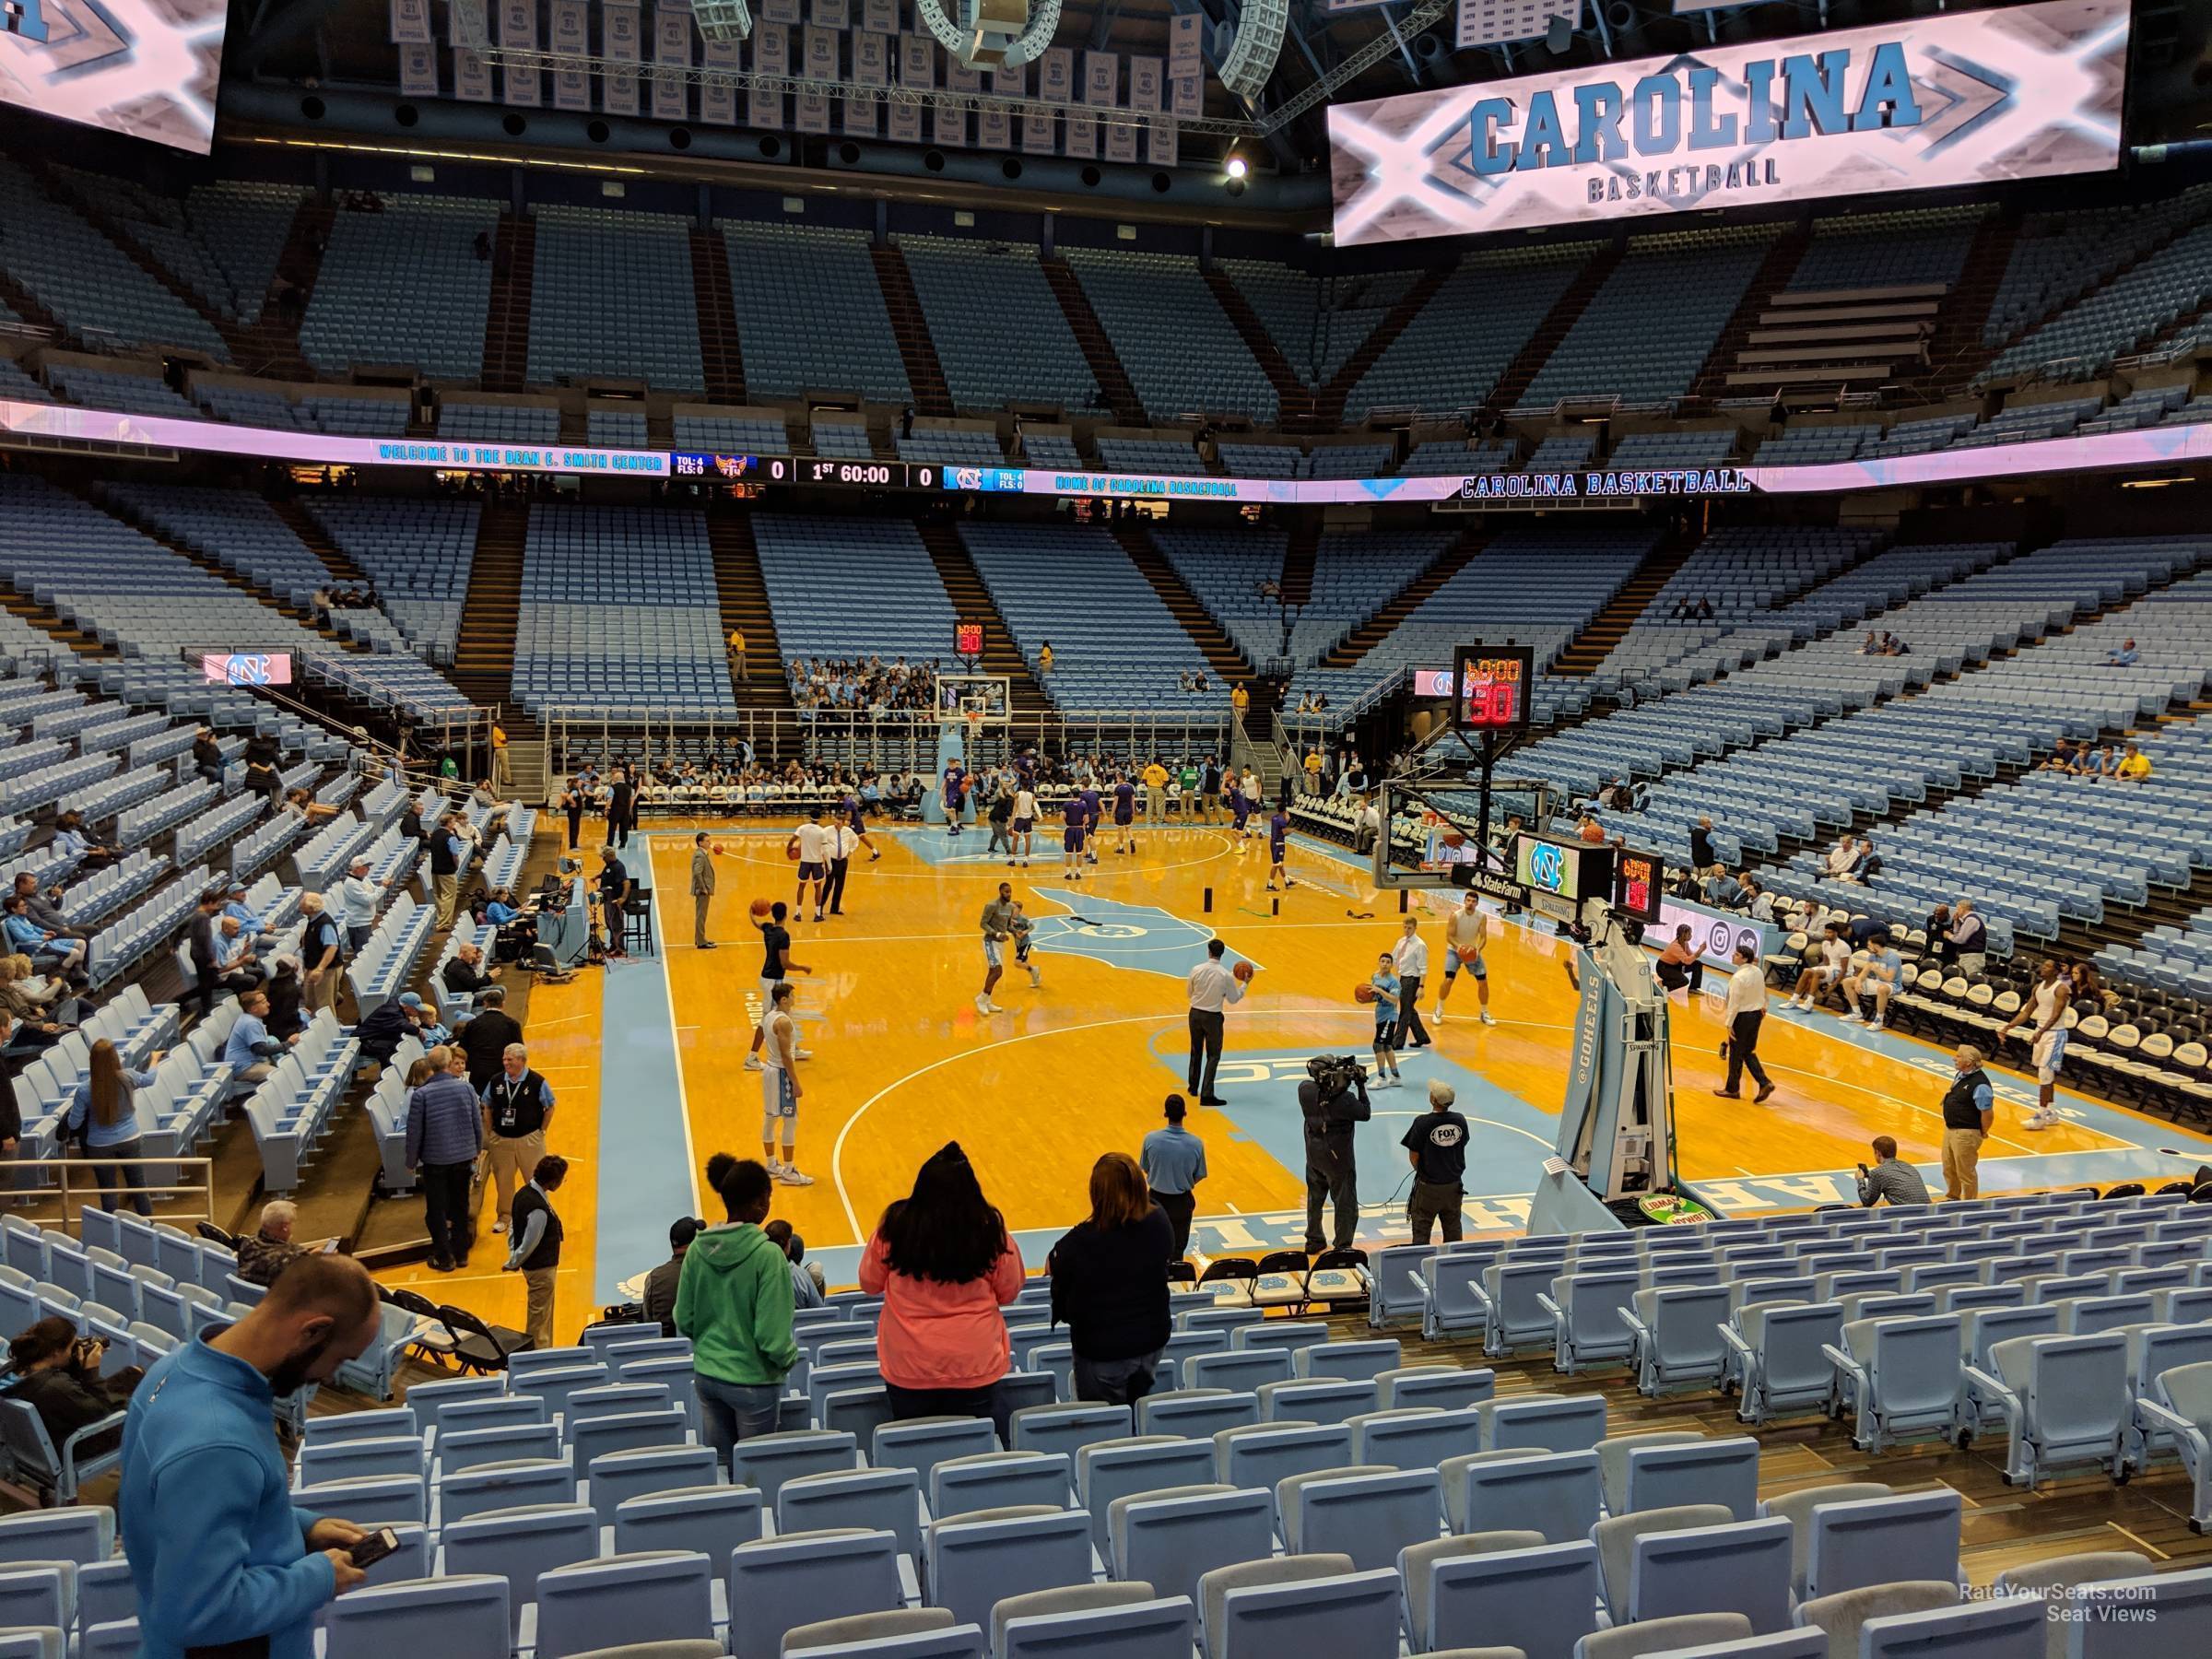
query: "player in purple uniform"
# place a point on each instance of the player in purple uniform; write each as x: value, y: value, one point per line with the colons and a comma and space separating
x: 954, y: 794
x: 1093, y: 812
x: 1278, y: 833
x: 1078, y: 817
x: 1124, y: 812
x: 860, y: 826
x: 1240, y: 810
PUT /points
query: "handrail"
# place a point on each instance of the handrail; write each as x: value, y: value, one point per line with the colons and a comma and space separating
x: 19, y: 1176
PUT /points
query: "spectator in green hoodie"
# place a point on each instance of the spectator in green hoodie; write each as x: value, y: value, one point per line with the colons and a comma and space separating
x: 734, y: 1300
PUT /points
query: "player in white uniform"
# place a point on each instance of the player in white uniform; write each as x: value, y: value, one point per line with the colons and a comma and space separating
x: 780, y: 1089
x: 1467, y: 930
x: 2047, y: 1043
x: 1025, y: 821
x: 811, y: 841
x: 1251, y: 802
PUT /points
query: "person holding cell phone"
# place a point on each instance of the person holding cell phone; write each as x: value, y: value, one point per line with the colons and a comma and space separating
x: 219, y: 1555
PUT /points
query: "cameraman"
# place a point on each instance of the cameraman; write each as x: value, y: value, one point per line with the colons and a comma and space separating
x: 57, y: 1376
x: 1331, y: 1099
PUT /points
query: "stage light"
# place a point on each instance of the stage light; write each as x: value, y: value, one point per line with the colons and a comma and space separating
x: 1237, y: 166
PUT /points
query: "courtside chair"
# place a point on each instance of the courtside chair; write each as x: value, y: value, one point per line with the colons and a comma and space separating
x: 888, y: 1499
x: 460, y: 1615
x: 1172, y: 1538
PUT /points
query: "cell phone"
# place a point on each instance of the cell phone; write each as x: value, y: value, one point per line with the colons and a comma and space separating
x: 375, y: 1546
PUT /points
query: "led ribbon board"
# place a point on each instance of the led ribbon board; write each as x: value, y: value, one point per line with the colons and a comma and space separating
x: 1927, y: 103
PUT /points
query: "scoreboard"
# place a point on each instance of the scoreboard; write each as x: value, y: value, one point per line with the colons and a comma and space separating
x: 806, y: 469
x: 1492, y: 687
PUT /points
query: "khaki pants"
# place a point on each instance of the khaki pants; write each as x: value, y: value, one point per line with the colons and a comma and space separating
x: 537, y: 1282
x: 448, y: 899
x: 513, y: 1161
x: 321, y: 992
x: 1961, y: 1157
x: 1156, y: 807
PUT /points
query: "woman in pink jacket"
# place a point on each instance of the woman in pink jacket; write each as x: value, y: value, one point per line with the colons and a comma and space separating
x: 944, y: 1264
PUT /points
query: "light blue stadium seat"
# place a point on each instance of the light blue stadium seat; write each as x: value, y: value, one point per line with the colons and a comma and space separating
x: 961, y: 1486
x: 973, y: 1564
x: 1541, y: 1601
x: 1172, y: 1538
x: 2180, y: 1605
x: 1979, y: 1630
x: 1254, y: 1610
x: 663, y: 1596
x: 766, y: 1461
x: 1162, y: 1628
x: 1556, y: 1494
x: 1857, y: 1545
x: 516, y: 1545
x: 445, y: 1615
x: 2064, y: 1399
x: 714, y: 1519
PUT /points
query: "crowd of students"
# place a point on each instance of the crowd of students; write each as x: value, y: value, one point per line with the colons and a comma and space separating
x: 854, y: 683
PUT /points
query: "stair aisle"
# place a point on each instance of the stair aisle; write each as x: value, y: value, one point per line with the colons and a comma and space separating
x: 1377, y: 627
x: 971, y: 602
x: 1620, y: 612
x: 1294, y: 396
x: 719, y: 345
x: 1222, y: 656
x: 484, y: 657
x: 507, y: 319
x: 1328, y: 403
x: 1090, y: 335
x: 924, y: 373
x: 1514, y: 382
x: 742, y: 592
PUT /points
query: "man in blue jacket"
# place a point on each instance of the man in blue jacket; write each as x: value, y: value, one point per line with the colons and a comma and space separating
x: 218, y: 1555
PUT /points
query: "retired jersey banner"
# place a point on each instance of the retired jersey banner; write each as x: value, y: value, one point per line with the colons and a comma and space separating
x: 1929, y: 103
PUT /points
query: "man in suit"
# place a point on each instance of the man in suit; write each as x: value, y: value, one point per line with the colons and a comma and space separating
x: 702, y: 889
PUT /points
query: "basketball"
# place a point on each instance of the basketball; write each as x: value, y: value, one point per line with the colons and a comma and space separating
x: 1363, y: 992
x: 791, y: 848
x: 715, y: 848
x: 762, y: 910
x: 1244, y: 972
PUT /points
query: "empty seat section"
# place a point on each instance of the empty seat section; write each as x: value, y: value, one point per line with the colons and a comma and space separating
x: 611, y: 294
x: 373, y: 301
x: 1016, y: 344
x: 810, y: 313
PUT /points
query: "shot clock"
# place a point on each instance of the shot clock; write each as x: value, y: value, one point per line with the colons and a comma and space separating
x: 1637, y: 885
x: 968, y: 639
x: 1492, y: 687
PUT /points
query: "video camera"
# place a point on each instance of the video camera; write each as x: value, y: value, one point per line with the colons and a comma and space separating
x: 1336, y: 1074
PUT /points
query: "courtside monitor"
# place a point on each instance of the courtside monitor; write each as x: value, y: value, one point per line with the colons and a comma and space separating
x: 1491, y: 688
x: 1637, y: 885
x: 1570, y: 871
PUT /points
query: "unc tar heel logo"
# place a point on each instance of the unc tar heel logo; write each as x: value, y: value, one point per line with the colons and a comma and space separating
x: 1546, y: 868
x: 24, y: 18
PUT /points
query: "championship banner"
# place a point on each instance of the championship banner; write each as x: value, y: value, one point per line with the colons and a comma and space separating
x: 879, y: 17
x: 1934, y: 102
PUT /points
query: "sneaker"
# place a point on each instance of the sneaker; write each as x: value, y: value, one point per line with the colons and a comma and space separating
x: 789, y: 1175
x: 982, y: 1003
x: 991, y: 1008
x: 1875, y: 1024
x: 1036, y: 980
x: 752, y: 1063
x: 2041, y: 1120
x: 801, y: 1054
x: 1853, y: 1017
x: 818, y: 915
x: 1486, y: 1019
x: 498, y: 1227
